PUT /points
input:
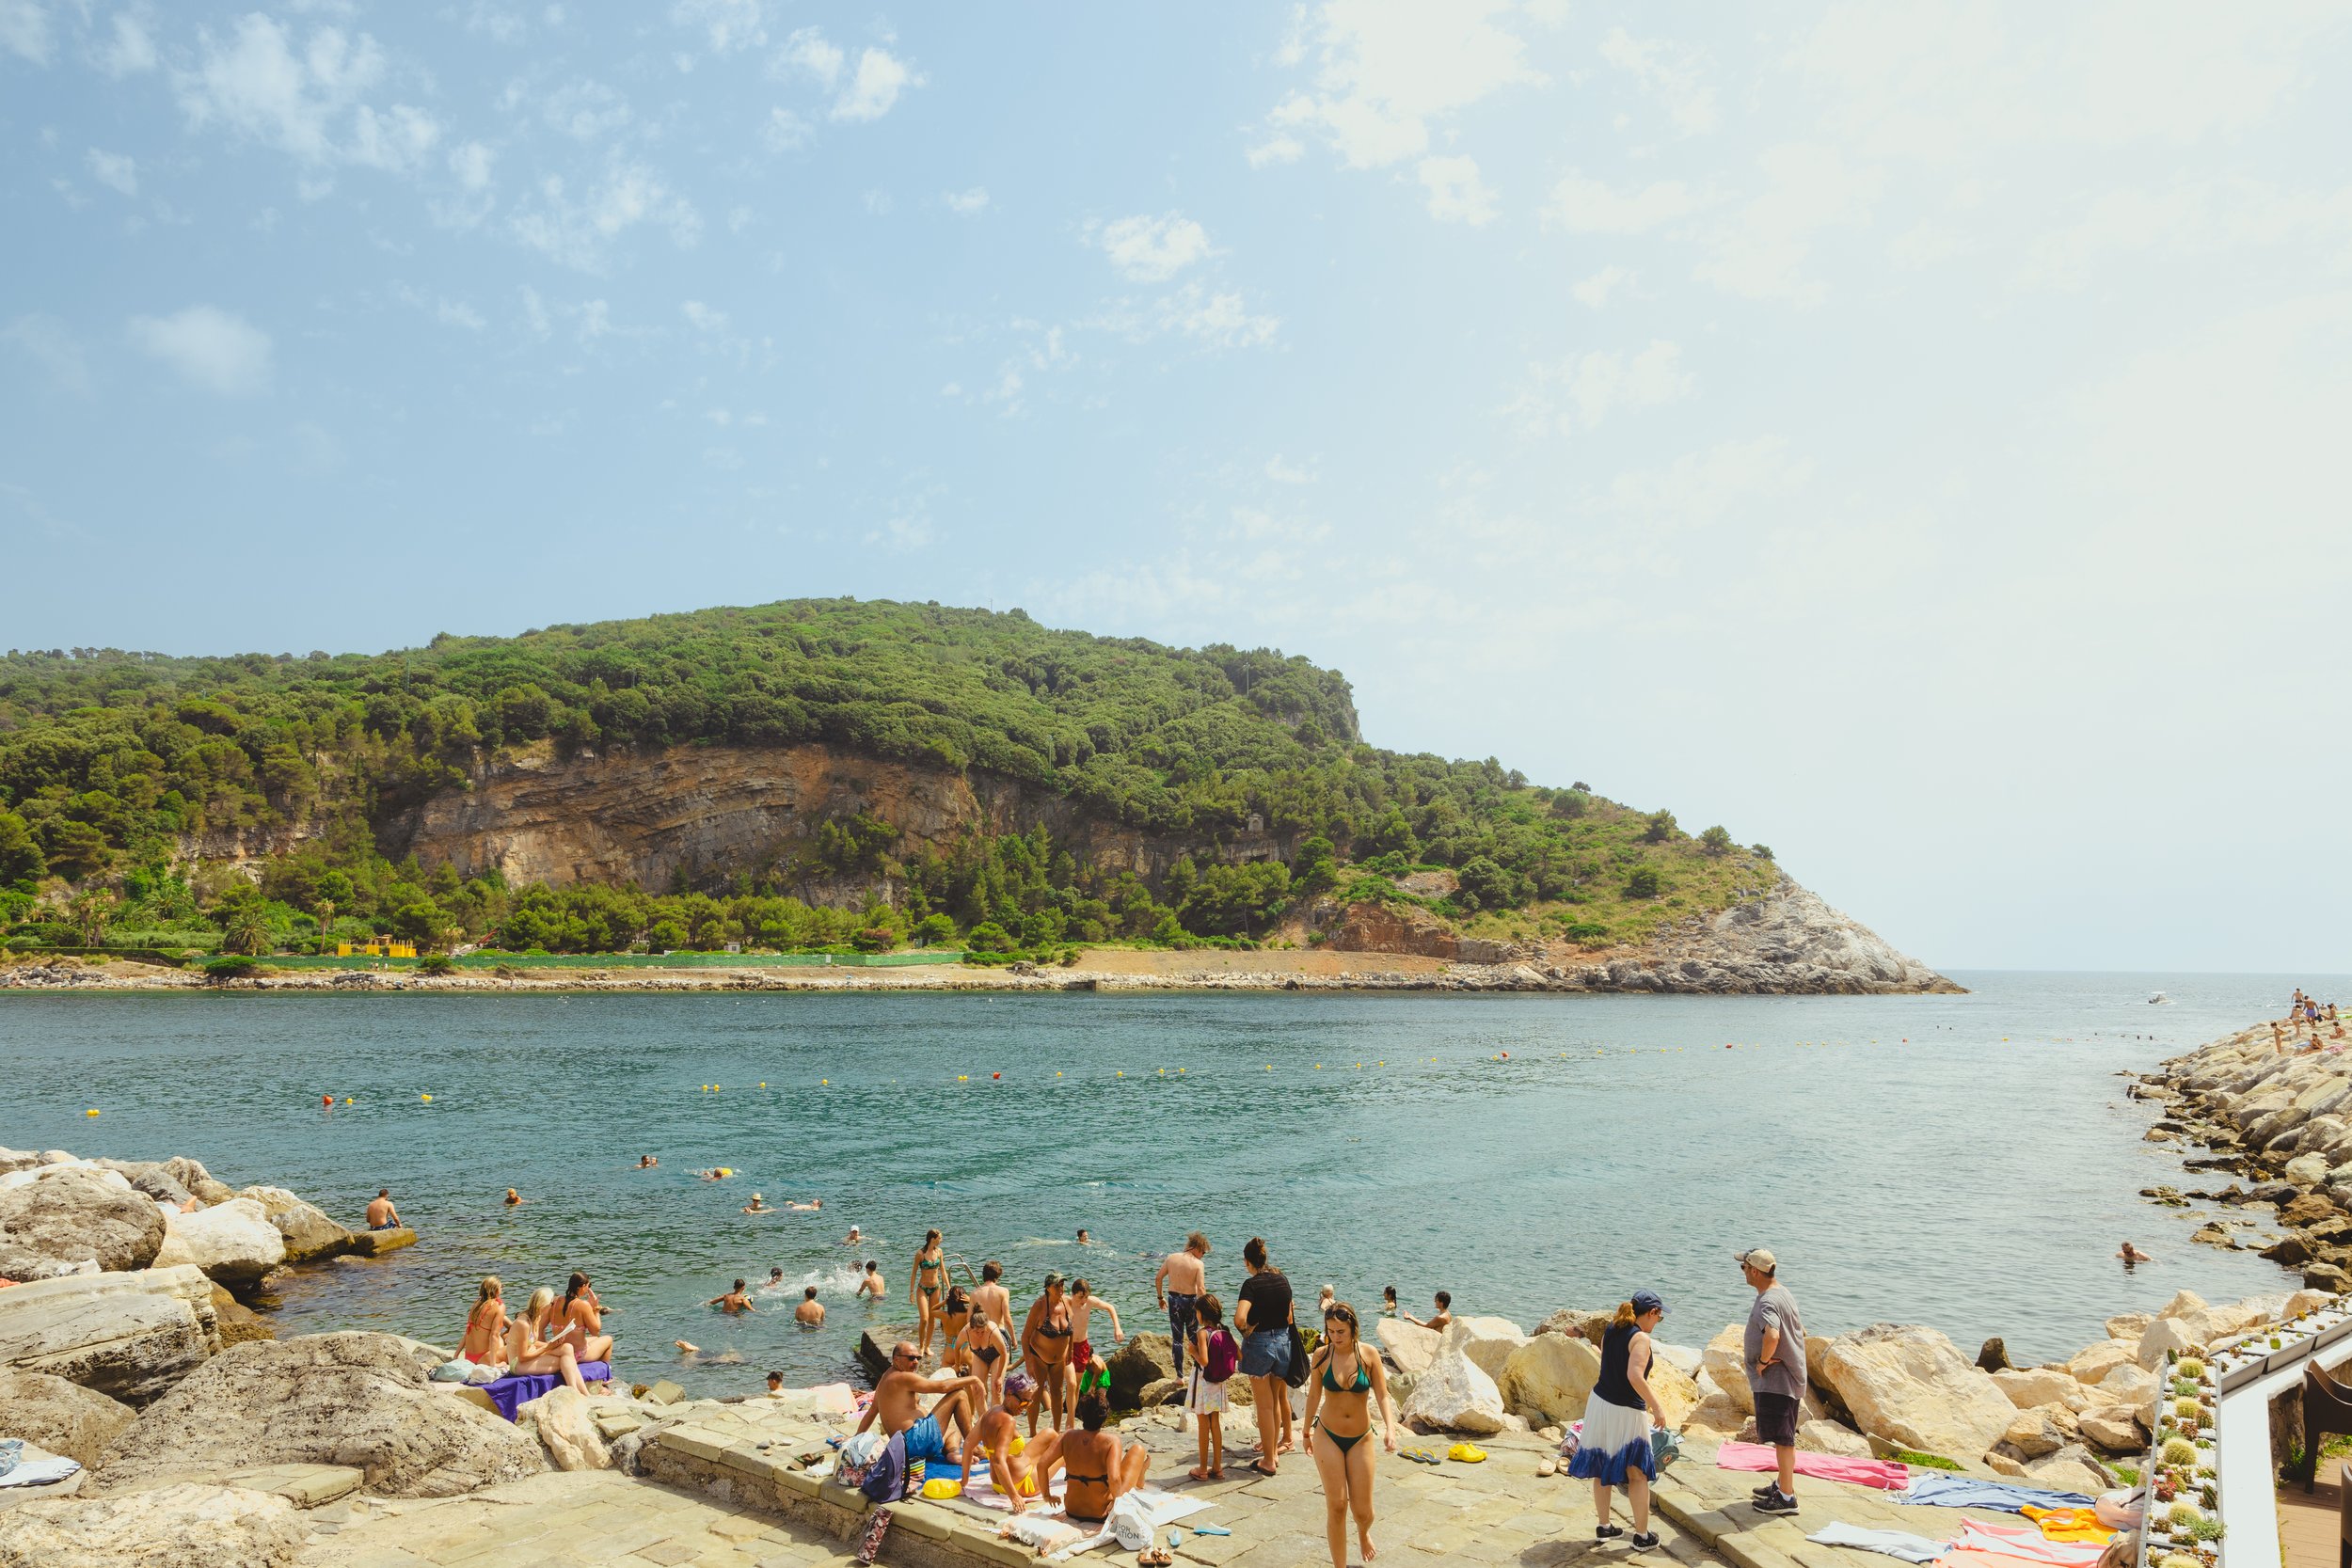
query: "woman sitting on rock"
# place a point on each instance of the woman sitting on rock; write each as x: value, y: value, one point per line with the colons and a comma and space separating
x: 486, y: 1326
x: 1614, y: 1449
x: 583, y: 1311
x: 529, y: 1354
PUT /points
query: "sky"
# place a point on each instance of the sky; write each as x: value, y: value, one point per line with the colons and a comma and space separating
x: 1899, y: 434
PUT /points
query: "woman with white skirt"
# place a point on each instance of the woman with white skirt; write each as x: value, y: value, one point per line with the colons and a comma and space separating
x: 1614, y: 1447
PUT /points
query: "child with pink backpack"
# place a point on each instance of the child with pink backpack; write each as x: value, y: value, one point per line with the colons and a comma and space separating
x: 1214, y: 1354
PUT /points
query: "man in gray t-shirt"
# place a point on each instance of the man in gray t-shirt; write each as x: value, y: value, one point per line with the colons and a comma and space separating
x: 1773, y: 1354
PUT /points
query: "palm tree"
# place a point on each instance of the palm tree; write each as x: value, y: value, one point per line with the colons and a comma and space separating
x: 244, y: 929
x: 92, y: 911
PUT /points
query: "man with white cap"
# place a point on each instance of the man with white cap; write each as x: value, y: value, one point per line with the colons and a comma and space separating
x: 1774, y: 1354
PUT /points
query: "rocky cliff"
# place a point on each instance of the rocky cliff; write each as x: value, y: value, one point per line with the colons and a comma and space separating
x: 700, y: 814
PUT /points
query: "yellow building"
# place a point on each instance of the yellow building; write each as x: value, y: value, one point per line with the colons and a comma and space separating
x: 382, y: 947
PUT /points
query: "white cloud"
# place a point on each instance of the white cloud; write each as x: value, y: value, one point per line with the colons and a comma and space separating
x: 576, y: 230
x: 784, y: 131
x: 1583, y: 205
x: 586, y: 110
x: 1387, y: 69
x: 260, y: 87
x: 1457, y: 195
x: 130, y: 49
x: 1595, y: 290
x: 48, y: 340
x: 117, y: 170
x: 1582, y: 390
x: 1214, y: 320
x: 1287, y: 473
x: 449, y: 312
x: 1701, y: 489
x: 209, y: 347
x: 1277, y: 150
x: 878, y: 202
x: 24, y: 29
x: 1152, y: 249
x: 535, y: 312
x: 880, y: 77
x: 1673, y: 76
x: 966, y: 202
x: 807, y: 50
x: 2185, y: 220
x: 704, y: 317
x: 1759, y: 252
x: 729, y: 25
x: 470, y: 164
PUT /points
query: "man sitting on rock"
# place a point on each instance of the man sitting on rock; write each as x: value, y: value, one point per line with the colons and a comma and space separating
x: 382, y: 1215
x: 1019, y: 1470
x: 938, y: 1437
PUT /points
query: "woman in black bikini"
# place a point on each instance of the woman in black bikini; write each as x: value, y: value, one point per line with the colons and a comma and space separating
x: 1045, y: 1352
x: 1341, y: 1383
x: 974, y: 1346
x: 1096, y: 1467
x: 930, y: 1278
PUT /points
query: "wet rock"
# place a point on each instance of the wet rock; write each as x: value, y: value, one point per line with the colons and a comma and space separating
x: 2307, y: 1208
x: 1994, y: 1357
x: 2213, y: 1235
x: 2326, y: 1276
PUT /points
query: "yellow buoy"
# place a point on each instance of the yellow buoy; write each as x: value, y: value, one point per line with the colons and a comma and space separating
x: 425, y: 1096
x: 91, y: 1112
x: 1057, y: 1075
x: 346, y: 1100
x: 823, y: 1082
x: 963, y: 1078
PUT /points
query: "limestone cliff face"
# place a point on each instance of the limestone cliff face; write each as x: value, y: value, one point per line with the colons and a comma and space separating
x: 701, y: 814
x: 1789, y: 940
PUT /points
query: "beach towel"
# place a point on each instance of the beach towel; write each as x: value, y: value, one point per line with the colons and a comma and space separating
x: 2027, y: 1542
x: 508, y: 1393
x: 2077, y: 1525
x: 1885, y: 1474
x: 1891, y: 1543
x: 1135, y: 1516
x: 38, y: 1472
x: 1940, y: 1489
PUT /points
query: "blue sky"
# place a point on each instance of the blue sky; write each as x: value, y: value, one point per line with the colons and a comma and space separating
x: 1909, y: 435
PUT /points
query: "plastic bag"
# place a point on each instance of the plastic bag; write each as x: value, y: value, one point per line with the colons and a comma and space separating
x: 453, y: 1372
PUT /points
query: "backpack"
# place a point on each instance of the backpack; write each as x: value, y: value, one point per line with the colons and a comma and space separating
x: 1224, y: 1355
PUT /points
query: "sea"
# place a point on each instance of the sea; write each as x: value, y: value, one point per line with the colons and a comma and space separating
x: 1968, y: 1161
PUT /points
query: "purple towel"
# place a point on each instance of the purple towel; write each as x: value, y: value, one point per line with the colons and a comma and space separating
x: 509, y: 1392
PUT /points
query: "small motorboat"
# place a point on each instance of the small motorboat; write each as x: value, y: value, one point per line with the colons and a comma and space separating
x: 2157, y: 999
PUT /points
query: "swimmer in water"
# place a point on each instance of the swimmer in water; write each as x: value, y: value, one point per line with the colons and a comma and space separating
x: 811, y: 1312
x: 756, y: 1205
x: 809, y: 1207
x: 1085, y: 1240
x: 731, y: 1302
x: 2131, y: 1255
x: 514, y: 1198
x: 646, y: 1162
x: 775, y: 1279
x: 873, y: 1284
x: 853, y: 1238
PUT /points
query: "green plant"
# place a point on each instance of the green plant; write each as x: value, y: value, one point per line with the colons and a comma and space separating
x: 1932, y: 1461
x: 2187, y: 1409
x: 2180, y: 1451
x: 2205, y: 1528
x: 2127, y: 1474
x: 233, y: 966
x: 437, y: 965
x: 2191, y: 1367
x: 2182, y: 1513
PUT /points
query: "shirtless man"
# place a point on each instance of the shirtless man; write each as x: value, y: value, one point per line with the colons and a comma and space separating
x: 2131, y: 1255
x: 1179, y: 1283
x: 990, y: 1300
x: 758, y: 1206
x: 809, y: 1207
x: 1096, y: 1467
x: 1023, y: 1476
x: 732, y: 1303
x: 811, y: 1312
x: 381, y: 1214
x: 873, y: 1286
x: 646, y: 1162
x: 1085, y: 1240
x: 937, y: 1438
x: 1045, y: 1343
x: 1439, y: 1321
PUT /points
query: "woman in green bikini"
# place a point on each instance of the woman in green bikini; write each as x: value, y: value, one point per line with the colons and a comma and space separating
x: 1341, y: 1383
x: 928, y: 1284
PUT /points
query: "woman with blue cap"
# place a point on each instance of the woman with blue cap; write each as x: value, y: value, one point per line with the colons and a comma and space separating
x: 1614, y: 1447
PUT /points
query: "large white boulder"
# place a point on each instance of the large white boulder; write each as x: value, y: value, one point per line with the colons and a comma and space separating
x: 1912, y: 1385
x: 568, y: 1430
x: 1410, y: 1347
x: 309, y: 1233
x: 1829, y: 1437
x: 2028, y: 1388
x: 233, y: 1242
x: 2127, y: 1384
x: 1454, y: 1394
x: 358, y: 1400
x: 2165, y: 1334
x: 129, y: 1335
x: 1489, y: 1341
x: 2093, y: 1362
x: 1549, y: 1379
x: 61, y: 1215
x: 1723, y: 1360
x: 170, y: 1526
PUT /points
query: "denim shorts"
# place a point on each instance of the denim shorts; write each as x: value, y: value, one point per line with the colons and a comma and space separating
x: 1266, y: 1354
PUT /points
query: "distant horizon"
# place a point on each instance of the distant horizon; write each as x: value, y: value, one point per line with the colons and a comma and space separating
x: 1905, y: 437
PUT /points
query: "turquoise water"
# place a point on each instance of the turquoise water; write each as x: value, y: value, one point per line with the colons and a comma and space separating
x: 1969, y: 1162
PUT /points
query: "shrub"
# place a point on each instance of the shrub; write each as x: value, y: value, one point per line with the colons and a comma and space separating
x: 1716, y: 840
x: 233, y: 966
x: 1932, y: 1461
x: 875, y: 938
x: 438, y: 963
x: 988, y: 936
x: 1662, y: 827
x: 1642, y: 883
x: 1761, y: 851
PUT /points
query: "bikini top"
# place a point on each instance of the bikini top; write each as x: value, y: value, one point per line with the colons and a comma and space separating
x: 1363, y: 1380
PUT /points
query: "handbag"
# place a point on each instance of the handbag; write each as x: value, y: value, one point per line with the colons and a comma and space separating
x: 1296, y: 1374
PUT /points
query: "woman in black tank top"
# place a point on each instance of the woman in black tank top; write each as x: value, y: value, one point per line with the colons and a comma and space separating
x: 1614, y: 1447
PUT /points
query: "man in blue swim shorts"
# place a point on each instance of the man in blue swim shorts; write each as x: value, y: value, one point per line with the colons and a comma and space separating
x: 938, y: 1435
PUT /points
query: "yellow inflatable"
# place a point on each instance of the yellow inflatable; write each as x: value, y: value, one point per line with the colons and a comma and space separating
x: 942, y: 1489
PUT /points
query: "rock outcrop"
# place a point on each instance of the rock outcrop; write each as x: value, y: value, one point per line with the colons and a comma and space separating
x: 359, y: 1400
x: 310, y: 1235
x: 130, y: 1336
x: 172, y: 1527
x: 63, y: 1418
x: 1453, y: 1394
x: 1409, y: 1347
x: 1142, y: 1361
x: 234, y: 1243
x: 1549, y: 1379
x: 68, y: 1214
x: 566, y: 1429
x: 1787, y: 940
x: 1914, y: 1386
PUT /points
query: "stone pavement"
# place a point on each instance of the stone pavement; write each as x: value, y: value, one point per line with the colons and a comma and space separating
x: 716, y: 1497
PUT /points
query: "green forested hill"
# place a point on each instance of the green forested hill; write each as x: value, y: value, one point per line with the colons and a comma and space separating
x: 113, y: 763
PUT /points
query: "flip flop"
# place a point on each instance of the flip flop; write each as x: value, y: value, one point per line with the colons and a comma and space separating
x: 1420, y: 1456
x: 1210, y: 1529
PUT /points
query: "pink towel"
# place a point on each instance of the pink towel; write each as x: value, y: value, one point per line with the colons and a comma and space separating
x: 1885, y: 1474
x: 2027, y: 1542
